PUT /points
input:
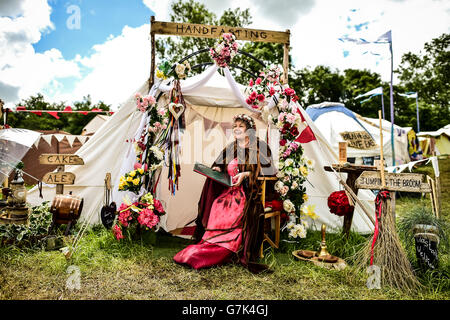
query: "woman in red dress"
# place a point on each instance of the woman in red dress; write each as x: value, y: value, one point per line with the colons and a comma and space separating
x: 230, y: 220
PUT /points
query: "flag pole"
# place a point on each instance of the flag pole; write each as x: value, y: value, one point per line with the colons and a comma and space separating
x: 391, y: 94
x: 382, y: 102
x: 417, y: 112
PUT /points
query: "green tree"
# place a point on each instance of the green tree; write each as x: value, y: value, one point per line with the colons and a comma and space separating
x: 69, y: 122
x: 428, y: 74
x: 173, y: 49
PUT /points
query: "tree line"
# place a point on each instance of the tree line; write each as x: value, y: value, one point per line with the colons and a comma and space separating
x: 427, y: 73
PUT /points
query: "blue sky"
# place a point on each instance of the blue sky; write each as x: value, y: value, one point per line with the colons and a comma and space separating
x: 108, y: 57
x: 99, y: 20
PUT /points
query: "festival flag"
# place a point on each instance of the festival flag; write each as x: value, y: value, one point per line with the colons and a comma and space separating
x: 68, y: 109
x: 307, y: 135
x: 375, y: 92
x: 53, y: 114
x: 409, y: 95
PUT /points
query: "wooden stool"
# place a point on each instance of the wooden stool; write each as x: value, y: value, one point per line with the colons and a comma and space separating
x: 276, y: 215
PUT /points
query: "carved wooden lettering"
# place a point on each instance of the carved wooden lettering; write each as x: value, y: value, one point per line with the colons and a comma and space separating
x: 59, y: 178
x: 60, y: 159
x: 408, y: 182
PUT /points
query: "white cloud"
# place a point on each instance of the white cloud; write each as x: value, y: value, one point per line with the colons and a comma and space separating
x: 24, y: 72
x: 117, y: 67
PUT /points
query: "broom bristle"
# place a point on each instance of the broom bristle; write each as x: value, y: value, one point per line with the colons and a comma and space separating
x: 389, y: 256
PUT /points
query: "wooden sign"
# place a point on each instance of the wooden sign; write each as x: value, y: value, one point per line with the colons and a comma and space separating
x: 342, y: 152
x: 59, y: 178
x: 208, y: 31
x: 358, y: 139
x: 60, y: 159
x: 408, y: 182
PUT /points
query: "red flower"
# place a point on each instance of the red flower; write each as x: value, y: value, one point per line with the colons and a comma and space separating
x: 249, y: 101
x: 258, y: 81
x: 338, y: 203
x: 250, y: 84
x: 283, y: 142
x: 294, y: 131
x: 261, y: 97
x: 271, y: 91
x: 295, y: 98
x: 253, y: 95
x: 117, y: 232
x: 148, y: 218
x: 158, y: 206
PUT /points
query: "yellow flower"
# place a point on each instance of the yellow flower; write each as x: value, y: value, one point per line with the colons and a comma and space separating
x: 136, y: 181
x: 309, y: 211
x: 160, y: 74
x: 141, y: 171
x: 305, y: 197
x: 304, y: 171
x: 132, y: 173
x: 129, y: 179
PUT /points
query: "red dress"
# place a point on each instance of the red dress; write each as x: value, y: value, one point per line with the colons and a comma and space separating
x: 223, y: 234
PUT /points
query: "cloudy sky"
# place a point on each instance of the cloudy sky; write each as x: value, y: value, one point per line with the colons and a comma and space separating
x: 67, y: 49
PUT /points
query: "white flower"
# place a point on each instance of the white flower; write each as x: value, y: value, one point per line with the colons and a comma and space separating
x: 179, y: 69
x: 295, y: 172
x: 290, y: 225
x: 305, y: 224
x: 288, y: 170
x: 294, y: 185
x: 157, y: 152
x: 280, y: 174
x: 280, y: 165
x: 288, y: 162
x: 279, y: 185
x: 288, y: 206
x: 293, y: 233
x: 286, y: 179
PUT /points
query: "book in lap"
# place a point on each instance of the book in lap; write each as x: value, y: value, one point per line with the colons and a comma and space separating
x: 221, y: 177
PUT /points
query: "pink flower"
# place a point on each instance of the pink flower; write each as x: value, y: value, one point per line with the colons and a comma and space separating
x: 145, y: 102
x: 258, y: 81
x: 124, y: 217
x: 261, y: 97
x: 253, y: 95
x: 284, y: 190
x: 157, y: 124
x: 117, y: 232
x: 271, y: 91
x: 281, y: 116
x: 151, y: 100
x: 137, y: 95
x: 137, y: 165
x: 161, y: 111
x: 148, y: 218
x: 289, y: 92
x: 290, y: 118
x: 250, y: 84
x: 158, y: 206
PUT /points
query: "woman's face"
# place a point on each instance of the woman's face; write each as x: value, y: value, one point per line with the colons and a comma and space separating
x: 239, y: 129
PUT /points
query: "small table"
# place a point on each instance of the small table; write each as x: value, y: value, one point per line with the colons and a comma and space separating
x: 353, y: 172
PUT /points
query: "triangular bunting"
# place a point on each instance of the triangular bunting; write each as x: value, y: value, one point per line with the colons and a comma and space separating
x: 36, y: 143
x: 208, y: 125
x: 39, y: 113
x: 68, y: 109
x: 47, y: 138
x: 71, y: 139
x: 53, y: 114
x: 82, y: 139
x: 84, y: 112
x: 226, y: 128
x: 59, y: 137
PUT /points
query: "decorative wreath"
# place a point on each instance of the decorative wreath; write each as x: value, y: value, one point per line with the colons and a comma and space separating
x: 246, y: 118
x: 339, y: 204
x: 224, y: 51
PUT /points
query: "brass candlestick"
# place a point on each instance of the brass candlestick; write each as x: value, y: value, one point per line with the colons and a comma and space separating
x: 323, y: 247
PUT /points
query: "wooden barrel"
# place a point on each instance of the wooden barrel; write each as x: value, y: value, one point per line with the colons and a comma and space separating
x: 66, y: 208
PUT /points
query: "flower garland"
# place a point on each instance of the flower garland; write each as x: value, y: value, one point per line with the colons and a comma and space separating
x: 293, y: 165
x: 224, y: 51
x: 178, y: 71
x: 266, y: 86
x: 146, y: 213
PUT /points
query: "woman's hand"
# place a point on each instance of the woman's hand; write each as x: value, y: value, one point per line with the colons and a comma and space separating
x: 217, y: 169
x: 239, y: 178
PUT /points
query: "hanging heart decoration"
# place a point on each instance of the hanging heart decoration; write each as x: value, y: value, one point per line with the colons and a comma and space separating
x: 176, y: 109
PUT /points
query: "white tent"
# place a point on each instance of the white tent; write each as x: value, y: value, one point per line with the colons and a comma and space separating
x: 95, y: 124
x: 211, y: 101
x: 441, y: 141
x: 336, y: 122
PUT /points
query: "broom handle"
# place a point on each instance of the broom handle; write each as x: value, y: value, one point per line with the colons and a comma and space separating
x: 383, y: 182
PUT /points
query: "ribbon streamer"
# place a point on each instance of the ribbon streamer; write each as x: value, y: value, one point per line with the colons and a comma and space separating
x: 382, y: 196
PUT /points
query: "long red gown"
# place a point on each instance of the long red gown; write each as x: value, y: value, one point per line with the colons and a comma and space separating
x: 223, y: 234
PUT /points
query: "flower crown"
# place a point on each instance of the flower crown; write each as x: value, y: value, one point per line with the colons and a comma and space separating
x: 243, y: 117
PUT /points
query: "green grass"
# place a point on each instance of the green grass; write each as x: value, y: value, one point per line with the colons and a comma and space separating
x: 145, y: 270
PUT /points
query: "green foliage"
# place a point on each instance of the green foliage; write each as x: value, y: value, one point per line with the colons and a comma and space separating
x: 420, y: 214
x: 69, y: 122
x: 28, y: 235
x: 428, y: 74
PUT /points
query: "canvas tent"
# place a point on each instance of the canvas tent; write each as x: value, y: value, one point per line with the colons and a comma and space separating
x: 441, y: 143
x: 94, y: 124
x: 211, y: 101
x: 339, y: 124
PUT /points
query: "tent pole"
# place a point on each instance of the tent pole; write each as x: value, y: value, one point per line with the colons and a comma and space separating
x: 417, y: 112
x: 152, y: 62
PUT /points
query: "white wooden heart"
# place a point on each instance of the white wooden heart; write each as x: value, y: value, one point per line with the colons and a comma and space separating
x: 176, y: 109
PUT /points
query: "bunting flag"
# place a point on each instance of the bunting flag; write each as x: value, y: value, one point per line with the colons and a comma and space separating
x: 372, y: 93
x: 307, y: 135
x: 54, y: 113
x: 409, y: 95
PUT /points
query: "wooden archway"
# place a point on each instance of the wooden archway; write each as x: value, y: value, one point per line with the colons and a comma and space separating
x: 208, y: 31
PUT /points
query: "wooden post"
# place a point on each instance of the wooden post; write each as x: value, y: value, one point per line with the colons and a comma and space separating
x: 152, y: 62
x: 383, y: 181
x: 286, y: 59
x: 60, y: 187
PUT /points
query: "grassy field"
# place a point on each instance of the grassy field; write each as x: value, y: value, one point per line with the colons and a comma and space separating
x: 145, y: 270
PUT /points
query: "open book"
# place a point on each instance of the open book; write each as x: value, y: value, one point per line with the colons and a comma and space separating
x: 221, y: 177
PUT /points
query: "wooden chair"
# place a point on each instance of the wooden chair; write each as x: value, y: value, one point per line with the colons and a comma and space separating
x: 269, y: 214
